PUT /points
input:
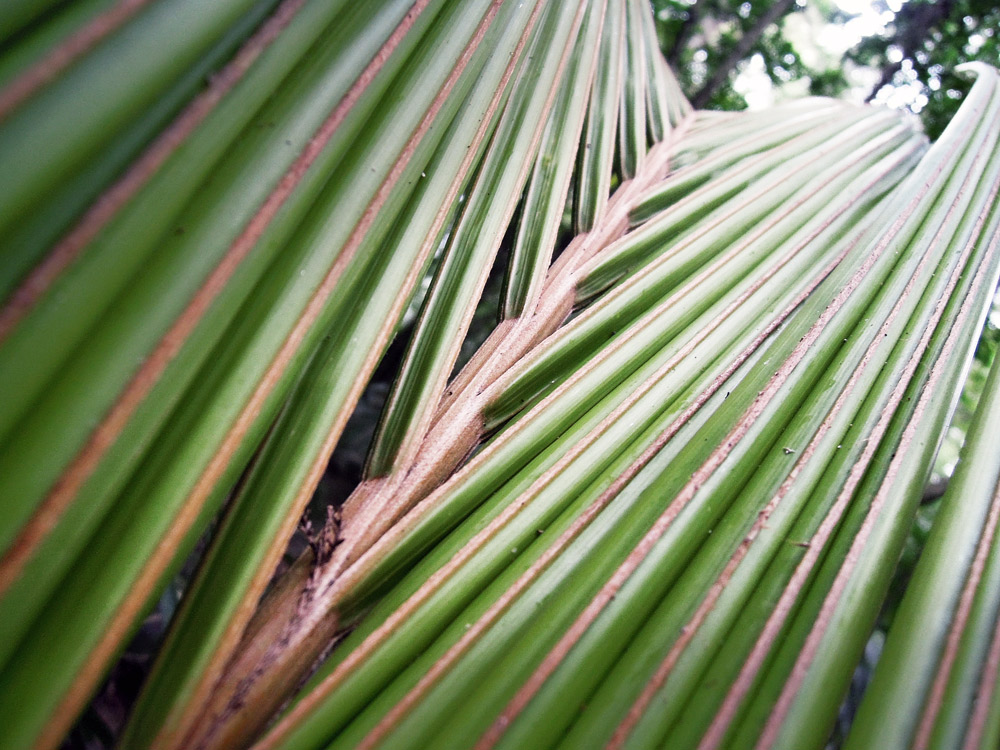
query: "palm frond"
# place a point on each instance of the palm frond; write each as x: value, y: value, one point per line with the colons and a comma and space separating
x: 662, y: 502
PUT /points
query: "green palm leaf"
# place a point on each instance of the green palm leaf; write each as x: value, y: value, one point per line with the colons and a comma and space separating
x: 660, y: 505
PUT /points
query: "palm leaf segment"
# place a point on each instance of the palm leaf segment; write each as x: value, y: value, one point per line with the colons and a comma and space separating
x: 669, y: 488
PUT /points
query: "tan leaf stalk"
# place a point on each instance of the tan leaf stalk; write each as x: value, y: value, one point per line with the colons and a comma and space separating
x: 457, y: 427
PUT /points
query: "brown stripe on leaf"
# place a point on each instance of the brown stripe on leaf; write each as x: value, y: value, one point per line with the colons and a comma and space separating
x: 302, y: 624
x: 689, y: 631
x: 110, y: 428
x: 107, y: 205
x: 62, y: 55
x: 313, y: 701
x: 555, y: 657
x: 987, y: 683
x: 107, y: 432
x: 734, y: 698
x: 935, y: 698
x: 811, y: 646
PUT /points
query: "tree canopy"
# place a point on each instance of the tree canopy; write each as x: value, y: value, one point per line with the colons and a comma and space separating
x: 912, y: 56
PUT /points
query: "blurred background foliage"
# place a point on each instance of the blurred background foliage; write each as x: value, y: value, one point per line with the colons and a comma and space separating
x: 730, y: 54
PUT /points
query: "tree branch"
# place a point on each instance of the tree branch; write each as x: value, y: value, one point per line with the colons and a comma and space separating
x: 915, y: 20
x: 742, y: 49
x: 684, y: 35
x: 888, y: 73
